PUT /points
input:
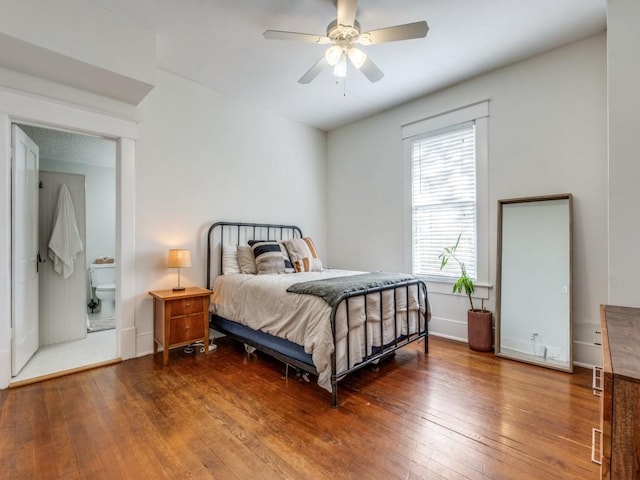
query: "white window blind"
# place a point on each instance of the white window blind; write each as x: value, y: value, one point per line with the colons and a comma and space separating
x: 444, y: 200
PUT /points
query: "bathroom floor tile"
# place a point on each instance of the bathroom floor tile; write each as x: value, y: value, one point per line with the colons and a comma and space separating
x: 95, y: 348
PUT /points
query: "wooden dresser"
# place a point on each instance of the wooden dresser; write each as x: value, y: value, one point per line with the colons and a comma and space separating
x: 180, y: 318
x: 618, y: 386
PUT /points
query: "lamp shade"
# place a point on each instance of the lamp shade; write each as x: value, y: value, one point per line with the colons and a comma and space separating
x: 179, y: 258
x: 357, y: 57
x: 340, y: 68
x: 333, y: 54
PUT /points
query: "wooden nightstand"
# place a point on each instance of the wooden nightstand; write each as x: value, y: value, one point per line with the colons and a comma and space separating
x: 180, y: 318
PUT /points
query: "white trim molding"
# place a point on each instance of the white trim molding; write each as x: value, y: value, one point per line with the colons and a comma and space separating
x: 479, y: 113
x: 27, y: 108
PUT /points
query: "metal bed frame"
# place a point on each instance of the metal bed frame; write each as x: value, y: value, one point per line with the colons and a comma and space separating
x: 238, y: 233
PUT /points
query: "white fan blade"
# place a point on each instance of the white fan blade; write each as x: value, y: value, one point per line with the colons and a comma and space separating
x: 296, y: 37
x: 371, y: 71
x: 392, y: 34
x: 347, y: 12
x: 313, y: 71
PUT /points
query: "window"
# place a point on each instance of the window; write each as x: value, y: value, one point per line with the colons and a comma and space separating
x: 447, y: 194
x: 443, y: 177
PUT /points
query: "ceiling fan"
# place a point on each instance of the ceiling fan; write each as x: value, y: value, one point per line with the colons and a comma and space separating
x: 343, y: 34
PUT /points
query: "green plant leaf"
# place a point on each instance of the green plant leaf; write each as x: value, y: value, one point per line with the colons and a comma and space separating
x: 464, y: 282
x: 457, y: 241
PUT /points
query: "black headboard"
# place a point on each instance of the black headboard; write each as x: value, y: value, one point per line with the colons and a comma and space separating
x: 239, y: 233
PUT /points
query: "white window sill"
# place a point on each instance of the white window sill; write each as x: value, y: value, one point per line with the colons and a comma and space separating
x: 445, y: 287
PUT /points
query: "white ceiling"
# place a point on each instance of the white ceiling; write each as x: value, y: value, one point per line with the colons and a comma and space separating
x: 219, y: 44
x: 65, y: 146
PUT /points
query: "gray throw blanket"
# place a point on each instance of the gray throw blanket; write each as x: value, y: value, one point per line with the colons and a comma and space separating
x: 330, y: 289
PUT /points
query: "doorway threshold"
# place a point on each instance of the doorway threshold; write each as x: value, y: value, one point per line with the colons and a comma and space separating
x: 42, y: 378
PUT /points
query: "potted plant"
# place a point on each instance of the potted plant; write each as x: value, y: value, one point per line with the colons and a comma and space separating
x: 479, y: 321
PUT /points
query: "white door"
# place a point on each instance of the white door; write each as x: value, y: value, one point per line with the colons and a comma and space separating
x: 24, y: 249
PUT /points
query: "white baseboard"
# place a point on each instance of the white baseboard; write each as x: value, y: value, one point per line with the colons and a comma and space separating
x: 127, y: 343
x: 587, y: 354
x: 447, y: 337
x: 448, y: 328
x: 144, y: 344
x: 584, y: 354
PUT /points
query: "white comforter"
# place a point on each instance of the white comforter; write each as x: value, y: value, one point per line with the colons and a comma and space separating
x: 261, y: 302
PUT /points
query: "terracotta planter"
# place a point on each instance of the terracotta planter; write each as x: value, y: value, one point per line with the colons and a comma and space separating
x: 480, y: 330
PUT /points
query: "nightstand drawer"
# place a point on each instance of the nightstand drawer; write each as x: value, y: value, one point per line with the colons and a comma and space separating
x: 187, y: 328
x: 186, y: 306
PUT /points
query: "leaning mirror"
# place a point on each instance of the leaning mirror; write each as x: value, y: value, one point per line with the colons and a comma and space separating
x: 533, y: 281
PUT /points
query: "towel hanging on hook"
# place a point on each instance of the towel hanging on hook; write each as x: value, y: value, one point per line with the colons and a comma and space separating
x: 65, y: 242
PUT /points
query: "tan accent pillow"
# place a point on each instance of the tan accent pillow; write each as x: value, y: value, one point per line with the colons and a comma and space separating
x: 246, y: 261
x: 303, y: 254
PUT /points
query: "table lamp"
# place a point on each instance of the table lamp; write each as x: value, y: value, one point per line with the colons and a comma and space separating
x: 179, y: 258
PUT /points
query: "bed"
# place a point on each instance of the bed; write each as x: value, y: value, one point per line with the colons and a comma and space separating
x: 271, y: 292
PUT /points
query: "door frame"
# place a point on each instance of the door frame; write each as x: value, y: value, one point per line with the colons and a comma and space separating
x: 23, y: 108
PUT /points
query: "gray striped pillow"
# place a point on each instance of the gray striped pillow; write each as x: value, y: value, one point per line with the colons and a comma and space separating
x: 271, y: 257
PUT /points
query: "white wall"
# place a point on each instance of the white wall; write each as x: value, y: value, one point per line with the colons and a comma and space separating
x: 204, y: 157
x: 100, y: 183
x: 547, y: 135
x: 623, y: 38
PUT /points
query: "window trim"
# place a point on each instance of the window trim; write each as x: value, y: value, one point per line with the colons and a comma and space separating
x: 479, y: 113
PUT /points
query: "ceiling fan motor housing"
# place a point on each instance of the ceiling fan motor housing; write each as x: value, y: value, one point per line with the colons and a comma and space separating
x: 346, y: 34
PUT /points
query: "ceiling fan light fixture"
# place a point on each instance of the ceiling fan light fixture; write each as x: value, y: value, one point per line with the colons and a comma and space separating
x: 343, y: 34
x: 333, y: 54
x: 340, y: 68
x: 357, y: 57
x: 364, y: 39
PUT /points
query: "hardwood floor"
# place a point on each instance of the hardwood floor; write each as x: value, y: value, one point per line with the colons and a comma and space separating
x: 454, y: 414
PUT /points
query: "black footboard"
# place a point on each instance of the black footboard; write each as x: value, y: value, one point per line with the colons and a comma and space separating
x: 399, y: 338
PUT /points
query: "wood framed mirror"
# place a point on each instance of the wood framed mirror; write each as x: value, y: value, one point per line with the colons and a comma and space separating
x: 534, y: 281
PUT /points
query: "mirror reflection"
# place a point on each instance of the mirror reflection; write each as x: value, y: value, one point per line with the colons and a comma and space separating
x: 533, y: 301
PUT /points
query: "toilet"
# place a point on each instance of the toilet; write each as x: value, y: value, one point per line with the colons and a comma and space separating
x: 103, y: 284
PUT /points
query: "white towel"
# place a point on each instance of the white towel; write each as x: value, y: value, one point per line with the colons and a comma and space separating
x: 65, y: 242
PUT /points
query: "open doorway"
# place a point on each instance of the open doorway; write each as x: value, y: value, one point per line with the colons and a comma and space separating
x: 77, y: 324
x: 16, y: 107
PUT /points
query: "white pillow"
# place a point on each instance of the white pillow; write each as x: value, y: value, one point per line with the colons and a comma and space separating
x: 230, y: 260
